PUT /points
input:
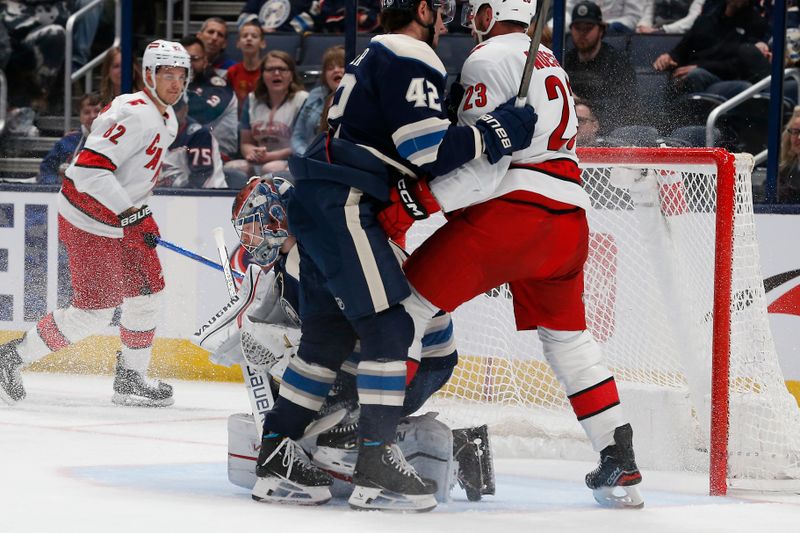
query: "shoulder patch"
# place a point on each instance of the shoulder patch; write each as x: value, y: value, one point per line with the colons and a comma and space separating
x: 218, y: 81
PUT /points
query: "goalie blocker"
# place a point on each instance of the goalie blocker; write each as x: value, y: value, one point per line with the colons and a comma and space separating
x: 435, y: 452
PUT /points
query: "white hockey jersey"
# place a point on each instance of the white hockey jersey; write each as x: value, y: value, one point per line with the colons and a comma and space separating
x: 548, y: 167
x: 118, y: 165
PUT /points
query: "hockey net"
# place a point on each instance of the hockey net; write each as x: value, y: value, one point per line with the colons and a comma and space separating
x: 667, y: 227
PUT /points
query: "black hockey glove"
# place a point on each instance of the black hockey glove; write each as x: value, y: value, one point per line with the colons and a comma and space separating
x: 506, y: 129
x: 453, y: 100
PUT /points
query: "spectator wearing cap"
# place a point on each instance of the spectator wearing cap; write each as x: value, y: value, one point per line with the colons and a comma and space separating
x: 621, y: 15
x: 599, y: 72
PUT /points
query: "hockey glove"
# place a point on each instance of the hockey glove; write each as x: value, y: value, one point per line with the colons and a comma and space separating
x: 506, y: 129
x: 139, y: 229
x: 139, y: 239
x: 453, y: 100
x: 410, y: 200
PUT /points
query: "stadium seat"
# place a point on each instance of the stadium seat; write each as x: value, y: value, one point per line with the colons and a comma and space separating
x: 453, y: 50
x: 652, y: 94
x: 644, y: 48
x: 315, y: 44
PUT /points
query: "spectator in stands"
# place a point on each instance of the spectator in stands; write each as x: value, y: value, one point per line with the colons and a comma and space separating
x: 598, y: 71
x: 111, y: 76
x: 621, y: 15
x: 37, y: 37
x: 242, y: 76
x: 302, y: 17
x: 789, y: 167
x: 193, y: 159
x: 214, y: 35
x: 669, y: 16
x: 588, y: 125
x: 726, y: 44
x: 51, y: 170
x: 212, y: 102
x: 268, y: 115
x: 331, y: 19
x: 307, y: 125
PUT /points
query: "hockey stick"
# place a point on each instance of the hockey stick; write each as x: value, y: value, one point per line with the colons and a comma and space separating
x: 191, y: 255
x: 530, y: 61
x: 257, y: 382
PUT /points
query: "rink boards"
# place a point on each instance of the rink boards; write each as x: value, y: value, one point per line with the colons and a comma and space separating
x: 29, y: 273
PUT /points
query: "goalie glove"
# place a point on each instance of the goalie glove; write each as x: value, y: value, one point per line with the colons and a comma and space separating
x: 410, y: 201
x: 506, y: 129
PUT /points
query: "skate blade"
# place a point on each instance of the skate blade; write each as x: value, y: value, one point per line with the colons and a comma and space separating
x: 276, y: 490
x: 128, y: 400
x: 377, y: 499
x: 340, y: 462
x: 610, y: 497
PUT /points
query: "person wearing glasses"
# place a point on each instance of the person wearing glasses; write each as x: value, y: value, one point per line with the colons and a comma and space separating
x: 212, y: 101
x: 268, y: 114
x: 789, y: 167
x: 388, y: 125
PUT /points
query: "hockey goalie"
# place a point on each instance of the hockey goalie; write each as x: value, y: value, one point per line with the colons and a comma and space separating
x: 260, y: 327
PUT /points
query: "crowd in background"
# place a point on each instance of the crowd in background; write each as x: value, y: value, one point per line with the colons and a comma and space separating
x: 247, y: 117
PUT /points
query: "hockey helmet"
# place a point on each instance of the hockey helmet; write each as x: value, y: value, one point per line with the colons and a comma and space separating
x: 259, y: 218
x: 502, y: 10
x: 448, y: 7
x: 162, y: 53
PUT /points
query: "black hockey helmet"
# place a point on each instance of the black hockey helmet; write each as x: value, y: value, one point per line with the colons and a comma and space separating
x: 448, y: 7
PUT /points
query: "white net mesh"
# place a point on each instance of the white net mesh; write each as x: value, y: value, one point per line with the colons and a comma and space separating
x: 649, y: 301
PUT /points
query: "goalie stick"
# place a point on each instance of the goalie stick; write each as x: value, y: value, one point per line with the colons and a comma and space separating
x: 256, y: 381
x: 530, y: 61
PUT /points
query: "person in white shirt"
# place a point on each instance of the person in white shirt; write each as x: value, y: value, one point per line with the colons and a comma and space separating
x: 110, y: 235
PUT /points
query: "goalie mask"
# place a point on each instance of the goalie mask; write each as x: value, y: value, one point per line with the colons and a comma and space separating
x: 521, y: 11
x: 259, y: 218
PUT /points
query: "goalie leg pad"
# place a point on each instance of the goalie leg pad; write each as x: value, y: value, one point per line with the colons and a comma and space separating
x: 427, y: 445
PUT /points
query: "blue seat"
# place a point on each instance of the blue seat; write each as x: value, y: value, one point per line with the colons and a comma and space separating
x: 652, y: 95
x: 315, y: 44
x: 453, y: 51
x: 644, y: 48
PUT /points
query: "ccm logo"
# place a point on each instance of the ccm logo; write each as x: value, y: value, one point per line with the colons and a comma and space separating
x: 414, y: 210
x: 497, y: 129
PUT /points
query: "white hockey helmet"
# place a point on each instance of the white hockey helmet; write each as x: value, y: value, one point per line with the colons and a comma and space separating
x: 162, y: 53
x: 502, y: 10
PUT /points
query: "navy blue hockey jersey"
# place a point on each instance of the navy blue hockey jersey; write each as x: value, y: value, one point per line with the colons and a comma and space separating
x: 391, y: 100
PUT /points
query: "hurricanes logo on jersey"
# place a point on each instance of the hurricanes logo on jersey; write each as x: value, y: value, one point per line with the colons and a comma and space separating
x: 155, y: 151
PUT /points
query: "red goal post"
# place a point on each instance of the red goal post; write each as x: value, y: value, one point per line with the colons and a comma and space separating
x: 675, y: 297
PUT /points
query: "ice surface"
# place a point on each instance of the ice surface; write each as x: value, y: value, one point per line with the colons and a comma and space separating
x: 72, y: 461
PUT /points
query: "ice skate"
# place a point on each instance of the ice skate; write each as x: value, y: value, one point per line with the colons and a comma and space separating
x: 474, y: 457
x: 11, y: 389
x: 133, y: 389
x: 285, y: 475
x: 385, y: 481
x: 337, y: 450
x: 617, y: 470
